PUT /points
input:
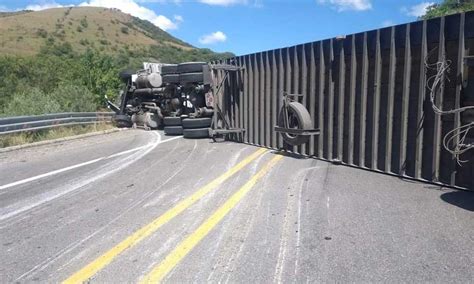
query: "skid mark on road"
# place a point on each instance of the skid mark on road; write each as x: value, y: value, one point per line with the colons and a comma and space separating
x: 293, y: 207
x: 55, y: 172
x: 22, y: 206
x: 303, y: 187
x: 242, y: 235
x: 175, y: 257
x: 41, y: 266
x: 98, y: 264
x: 229, y: 254
x: 252, y: 170
x: 178, y: 171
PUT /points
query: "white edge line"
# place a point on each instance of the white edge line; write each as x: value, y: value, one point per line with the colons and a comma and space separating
x: 79, y: 165
x: 36, y: 203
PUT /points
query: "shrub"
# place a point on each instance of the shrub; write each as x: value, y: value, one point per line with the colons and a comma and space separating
x: 73, y: 98
x: 124, y: 30
x: 84, y: 42
x: 84, y: 23
x: 31, y: 101
x: 42, y: 33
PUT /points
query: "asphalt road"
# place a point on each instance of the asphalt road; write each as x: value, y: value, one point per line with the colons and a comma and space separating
x: 138, y: 206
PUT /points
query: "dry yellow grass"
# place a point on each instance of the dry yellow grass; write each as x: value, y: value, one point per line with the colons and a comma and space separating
x: 23, y: 34
x: 51, y: 134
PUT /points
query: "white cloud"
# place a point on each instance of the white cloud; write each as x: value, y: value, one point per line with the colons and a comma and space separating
x: 223, y: 2
x: 131, y: 7
x: 164, y: 23
x: 343, y: 5
x: 160, y: 1
x: 126, y: 6
x: 4, y: 9
x: 212, y: 38
x: 43, y: 6
x: 388, y: 23
x: 417, y: 10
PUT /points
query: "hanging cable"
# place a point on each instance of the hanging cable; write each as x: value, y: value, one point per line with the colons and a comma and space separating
x: 454, y: 140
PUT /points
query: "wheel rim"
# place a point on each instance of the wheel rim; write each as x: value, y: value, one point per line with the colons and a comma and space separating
x: 293, y: 123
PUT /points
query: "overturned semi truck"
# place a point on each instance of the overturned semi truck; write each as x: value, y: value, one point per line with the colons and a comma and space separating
x: 177, y: 97
x: 182, y: 99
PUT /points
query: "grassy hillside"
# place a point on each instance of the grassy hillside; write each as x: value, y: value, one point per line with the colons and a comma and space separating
x: 7, y: 14
x: 109, y: 31
x: 67, y: 59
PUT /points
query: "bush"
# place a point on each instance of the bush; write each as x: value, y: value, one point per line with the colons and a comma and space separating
x: 58, y: 79
x: 124, y: 30
x: 84, y: 23
x: 42, y: 33
x: 84, y: 42
x: 74, y: 98
x: 448, y: 7
x: 65, y: 98
x: 31, y: 101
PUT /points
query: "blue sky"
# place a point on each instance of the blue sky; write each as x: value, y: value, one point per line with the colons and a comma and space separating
x: 247, y: 26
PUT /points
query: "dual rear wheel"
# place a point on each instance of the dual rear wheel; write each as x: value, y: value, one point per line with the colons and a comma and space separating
x: 184, y: 73
x: 188, y: 127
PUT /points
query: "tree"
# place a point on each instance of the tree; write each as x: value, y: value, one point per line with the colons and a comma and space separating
x: 448, y: 7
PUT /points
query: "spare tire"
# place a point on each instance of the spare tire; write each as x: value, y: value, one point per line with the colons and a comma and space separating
x: 190, y: 67
x: 196, y: 133
x: 173, y: 130
x: 169, y: 69
x: 171, y: 79
x: 299, y: 119
x: 191, y: 78
x: 201, y: 122
x: 172, y: 121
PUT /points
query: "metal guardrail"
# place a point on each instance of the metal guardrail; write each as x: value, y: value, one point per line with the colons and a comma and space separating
x: 10, y: 125
x: 367, y: 92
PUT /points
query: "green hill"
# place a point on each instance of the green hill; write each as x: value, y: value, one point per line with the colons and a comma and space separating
x: 67, y: 59
x: 109, y: 31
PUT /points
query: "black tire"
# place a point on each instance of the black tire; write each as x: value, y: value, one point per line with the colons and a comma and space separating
x: 201, y: 122
x: 191, y: 78
x: 172, y: 121
x: 169, y: 69
x: 122, y: 121
x: 171, y: 79
x: 300, y: 119
x: 196, y: 133
x: 173, y: 130
x: 190, y: 67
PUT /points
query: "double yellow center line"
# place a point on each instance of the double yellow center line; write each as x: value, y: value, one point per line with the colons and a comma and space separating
x: 99, y: 263
x: 160, y: 271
